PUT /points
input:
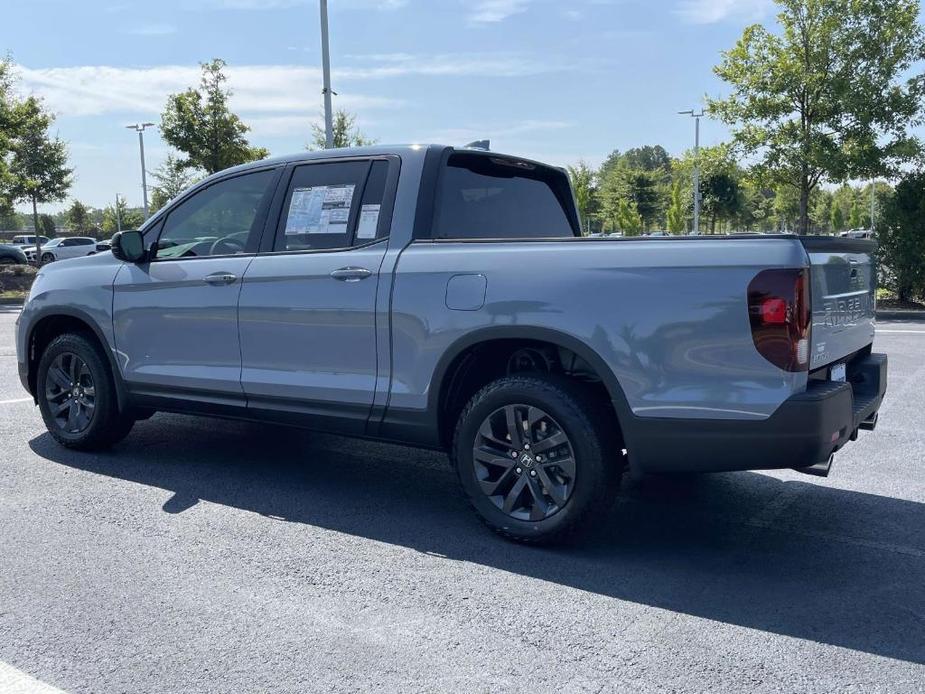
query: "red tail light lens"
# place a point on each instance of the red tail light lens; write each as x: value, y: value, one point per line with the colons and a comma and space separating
x: 779, y: 312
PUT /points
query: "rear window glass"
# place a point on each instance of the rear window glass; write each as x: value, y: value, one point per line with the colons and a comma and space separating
x: 486, y: 197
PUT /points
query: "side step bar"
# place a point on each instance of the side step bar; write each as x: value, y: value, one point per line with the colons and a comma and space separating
x: 870, y: 423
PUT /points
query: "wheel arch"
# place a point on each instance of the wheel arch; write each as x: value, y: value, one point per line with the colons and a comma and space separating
x: 51, y: 323
x: 453, y: 358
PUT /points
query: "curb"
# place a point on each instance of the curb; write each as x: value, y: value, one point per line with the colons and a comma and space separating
x: 12, y: 302
x: 900, y: 314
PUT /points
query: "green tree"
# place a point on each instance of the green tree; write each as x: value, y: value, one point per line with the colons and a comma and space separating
x: 856, y: 218
x: 821, y: 210
x: 627, y: 218
x: 10, y: 221
x: 677, y: 209
x: 77, y: 219
x: 46, y: 225
x: 837, y: 219
x: 38, y: 169
x: 645, y: 158
x: 582, y: 178
x: 901, y: 236
x: 346, y: 132
x: 172, y: 179
x: 199, y: 123
x: 722, y: 198
x: 830, y: 94
x: 121, y: 216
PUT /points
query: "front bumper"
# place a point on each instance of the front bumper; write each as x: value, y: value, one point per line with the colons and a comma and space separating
x: 804, y: 431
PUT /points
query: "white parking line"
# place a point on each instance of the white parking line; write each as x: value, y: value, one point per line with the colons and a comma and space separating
x: 13, y: 681
x: 903, y: 332
x: 11, y: 402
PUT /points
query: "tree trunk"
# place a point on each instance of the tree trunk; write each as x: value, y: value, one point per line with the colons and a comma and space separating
x: 38, y: 239
x: 804, y: 203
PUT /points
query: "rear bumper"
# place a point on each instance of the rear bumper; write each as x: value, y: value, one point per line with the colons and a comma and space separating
x: 804, y: 431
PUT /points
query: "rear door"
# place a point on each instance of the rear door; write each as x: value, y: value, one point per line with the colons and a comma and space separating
x: 844, y: 285
x: 308, y: 305
x: 175, y: 317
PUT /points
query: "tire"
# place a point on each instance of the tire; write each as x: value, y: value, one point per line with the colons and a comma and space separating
x: 47, y: 258
x: 7, y: 260
x: 77, y: 396
x: 559, y: 494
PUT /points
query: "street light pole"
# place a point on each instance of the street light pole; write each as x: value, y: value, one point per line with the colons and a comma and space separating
x: 118, y: 216
x: 326, y: 74
x: 696, y: 116
x: 140, y: 129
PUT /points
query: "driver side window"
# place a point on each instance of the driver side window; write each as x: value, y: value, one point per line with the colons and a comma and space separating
x: 218, y: 220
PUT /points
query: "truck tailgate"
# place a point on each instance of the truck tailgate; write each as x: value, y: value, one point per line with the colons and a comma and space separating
x: 844, y: 283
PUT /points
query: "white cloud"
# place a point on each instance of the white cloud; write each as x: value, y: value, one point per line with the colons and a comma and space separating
x: 462, y: 135
x: 152, y: 30
x: 712, y: 11
x: 256, y: 5
x: 96, y: 89
x: 490, y: 11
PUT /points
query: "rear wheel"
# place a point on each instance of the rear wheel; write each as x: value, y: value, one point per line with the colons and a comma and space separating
x: 535, y: 459
x: 77, y: 396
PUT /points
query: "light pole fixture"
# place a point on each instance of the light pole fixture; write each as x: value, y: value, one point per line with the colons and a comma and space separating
x: 140, y: 129
x: 326, y: 76
x: 696, y: 116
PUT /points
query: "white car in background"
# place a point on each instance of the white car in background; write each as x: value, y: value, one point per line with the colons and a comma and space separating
x: 25, y: 240
x: 64, y: 247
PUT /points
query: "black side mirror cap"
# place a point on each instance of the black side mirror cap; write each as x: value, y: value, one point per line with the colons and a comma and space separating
x: 129, y: 246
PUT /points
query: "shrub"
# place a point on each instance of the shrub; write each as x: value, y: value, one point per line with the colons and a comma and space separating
x: 901, y: 234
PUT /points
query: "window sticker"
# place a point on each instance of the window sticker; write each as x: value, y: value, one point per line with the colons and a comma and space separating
x: 369, y: 222
x: 319, y: 210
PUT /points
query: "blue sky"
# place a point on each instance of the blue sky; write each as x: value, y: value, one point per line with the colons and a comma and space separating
x: 557, y: 80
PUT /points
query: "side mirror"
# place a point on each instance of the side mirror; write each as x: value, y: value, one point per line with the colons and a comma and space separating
x: 129, y: 246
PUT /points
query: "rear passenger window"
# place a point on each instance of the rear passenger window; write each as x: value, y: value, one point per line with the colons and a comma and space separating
x: 482, y: 196
x: 333, y: 205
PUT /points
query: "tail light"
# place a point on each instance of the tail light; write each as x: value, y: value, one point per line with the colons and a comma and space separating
x: 779, y: 312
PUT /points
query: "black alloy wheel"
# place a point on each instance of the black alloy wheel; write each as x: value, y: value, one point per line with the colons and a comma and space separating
x: 524, y: 462
x: 70, y: 393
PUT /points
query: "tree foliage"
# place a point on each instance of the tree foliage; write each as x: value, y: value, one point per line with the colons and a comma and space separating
x: 346, y: 132
x: 200, y: 124
x: 78, y: 220
x: 120, y: 216
x: 901, y: 235
x: 37, y: 171
x: 583, y: 178
x: 829, y: 95
x: 676, y: 215
x: 172, y: 179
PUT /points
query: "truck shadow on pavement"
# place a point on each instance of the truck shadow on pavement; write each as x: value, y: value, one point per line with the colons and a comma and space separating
x: 794, y: 558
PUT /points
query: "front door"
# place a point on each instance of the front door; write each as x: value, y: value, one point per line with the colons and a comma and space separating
x: 308, y: 305
x: 175, y: 317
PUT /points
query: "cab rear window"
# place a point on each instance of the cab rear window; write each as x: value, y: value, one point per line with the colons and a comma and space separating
x: 481, y: 196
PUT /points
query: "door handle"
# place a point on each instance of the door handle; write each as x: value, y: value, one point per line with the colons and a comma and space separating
x: 351, y: 274
x: 219, y: 278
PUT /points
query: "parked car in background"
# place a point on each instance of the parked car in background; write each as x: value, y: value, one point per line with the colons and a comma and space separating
x: 857, y: 234
x: 27, y: 240
x: 12, y: 255
x: 64, y: 247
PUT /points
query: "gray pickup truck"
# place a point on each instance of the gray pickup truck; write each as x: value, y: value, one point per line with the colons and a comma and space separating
x: 446, y: 298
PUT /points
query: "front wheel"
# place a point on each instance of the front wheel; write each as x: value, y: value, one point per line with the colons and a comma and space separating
x: 535, y: 459
x: 48, y: 258
x: 77, y: 396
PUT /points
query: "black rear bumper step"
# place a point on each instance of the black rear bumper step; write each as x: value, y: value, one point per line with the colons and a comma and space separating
x: 803, y: 433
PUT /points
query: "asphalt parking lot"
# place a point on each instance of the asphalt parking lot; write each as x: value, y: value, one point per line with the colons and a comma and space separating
x: 205, y: 555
